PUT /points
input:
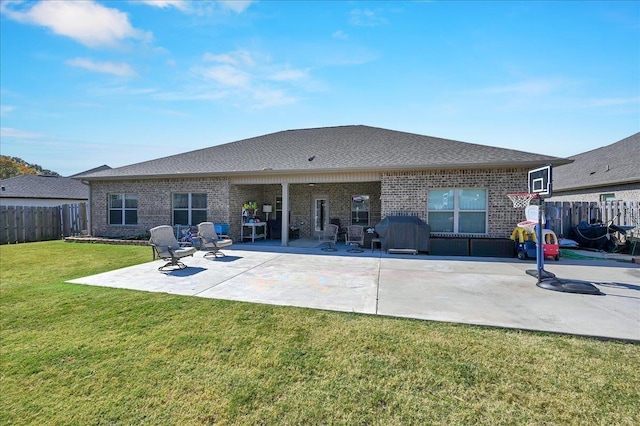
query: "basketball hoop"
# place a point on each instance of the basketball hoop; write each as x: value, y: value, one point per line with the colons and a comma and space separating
x: 522, y: 199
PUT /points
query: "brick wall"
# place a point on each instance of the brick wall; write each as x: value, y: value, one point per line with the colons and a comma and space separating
x: 407, y: 191
x: 155, y: 203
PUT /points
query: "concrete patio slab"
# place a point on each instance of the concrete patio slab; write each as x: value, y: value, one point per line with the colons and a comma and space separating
x: 482, y: 291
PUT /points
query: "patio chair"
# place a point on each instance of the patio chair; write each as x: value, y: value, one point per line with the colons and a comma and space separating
x: 210, y: 241
x: 342, y: 232
x: 329, y: 236
x: 355, y: 238
x: 167, y: 247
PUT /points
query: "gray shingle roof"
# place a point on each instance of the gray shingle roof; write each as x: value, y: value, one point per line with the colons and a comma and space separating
x: 618, y: 163
x: 88, y: 172
x: 49, y: 187
x: 331, y: 149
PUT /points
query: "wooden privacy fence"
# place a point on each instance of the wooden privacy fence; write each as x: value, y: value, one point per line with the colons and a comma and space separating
x: 566, y: 214
x: 21, y: 224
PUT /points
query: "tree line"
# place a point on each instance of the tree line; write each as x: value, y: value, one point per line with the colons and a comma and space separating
x: 14, y: 166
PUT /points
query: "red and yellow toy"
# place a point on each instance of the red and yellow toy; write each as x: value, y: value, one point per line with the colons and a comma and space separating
x: 525, y: 238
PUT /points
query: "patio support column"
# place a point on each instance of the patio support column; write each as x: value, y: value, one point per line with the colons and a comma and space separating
x: 285, y: 214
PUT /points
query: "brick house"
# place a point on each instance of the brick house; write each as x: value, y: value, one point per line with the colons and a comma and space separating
x: 357, y: 174
x: 609, y: 173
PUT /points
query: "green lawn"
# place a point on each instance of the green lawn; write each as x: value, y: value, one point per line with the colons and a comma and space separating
x: 79, y: 355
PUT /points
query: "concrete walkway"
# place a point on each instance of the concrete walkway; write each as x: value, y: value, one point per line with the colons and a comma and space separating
x: 483, y: 291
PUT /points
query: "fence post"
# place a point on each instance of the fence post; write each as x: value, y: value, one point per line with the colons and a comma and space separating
x: 5, y: 225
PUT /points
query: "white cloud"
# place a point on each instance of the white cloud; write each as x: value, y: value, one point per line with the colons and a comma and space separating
x: 340, y: 35
x: 9, y: 132
x: 119, y: 69
x: 227, y: 75
x: 244, y: 75
x: 288, y: 75
x: 86, y: 22
x: 366, y: 18
x: 5, y: 109
x: 237, y: 6
x: 270, y: 98
x: 549, y: 94
x: 182, y: 5
x: 200, y: 7
x: 605, y: 102
x: 237, y: 58
x: 526, y: 88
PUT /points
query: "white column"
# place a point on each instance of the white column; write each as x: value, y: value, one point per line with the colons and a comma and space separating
x: 285, y: 214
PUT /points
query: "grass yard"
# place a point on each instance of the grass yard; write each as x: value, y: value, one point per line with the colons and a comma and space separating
x: 79, y: 355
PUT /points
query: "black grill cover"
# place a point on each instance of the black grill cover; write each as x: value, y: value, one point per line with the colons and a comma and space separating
x: 404, y: 232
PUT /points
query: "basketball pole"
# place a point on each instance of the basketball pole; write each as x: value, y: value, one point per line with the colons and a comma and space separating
x: 539, y: 247
x: 548, y: 280
x: 540, y: 272
x: 540, y: 182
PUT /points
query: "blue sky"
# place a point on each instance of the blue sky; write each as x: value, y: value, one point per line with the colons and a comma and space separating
x: 86, y: 83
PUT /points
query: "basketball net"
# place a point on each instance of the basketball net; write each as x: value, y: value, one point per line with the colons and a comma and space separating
x: 522, y: 199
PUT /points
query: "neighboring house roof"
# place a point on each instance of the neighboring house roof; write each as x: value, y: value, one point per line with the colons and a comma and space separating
x: 328, y: 149
x: 95, y: 169
x: 615, y: 164
x: 43, y: 187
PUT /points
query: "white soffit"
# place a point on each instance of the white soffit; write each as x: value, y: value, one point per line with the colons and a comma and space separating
x: 368, y: 176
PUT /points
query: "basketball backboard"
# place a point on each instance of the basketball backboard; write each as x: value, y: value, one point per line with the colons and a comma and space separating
x: 540, y: 181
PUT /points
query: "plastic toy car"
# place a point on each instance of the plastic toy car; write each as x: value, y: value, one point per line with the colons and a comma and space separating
x: 525, y: 239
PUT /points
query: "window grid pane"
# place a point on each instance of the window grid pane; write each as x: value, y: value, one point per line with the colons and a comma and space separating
x: 131, y: 217
x: 199, y: 201
x: 198, y: 216
x: 180, y: 217
x: 457, y: 210
x: 473, y: 199
x: 441, y: 221
x: 441, y: 199
x: 472, y: 223
x: 115, y: 217
x: 131, y: 201
x: 180, y: 201
x: 115, y: 201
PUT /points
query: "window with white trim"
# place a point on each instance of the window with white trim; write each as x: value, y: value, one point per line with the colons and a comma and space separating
x: 457, y: 211
x: 123, y: 209
x: 360, y: 207
x: 189, y: 208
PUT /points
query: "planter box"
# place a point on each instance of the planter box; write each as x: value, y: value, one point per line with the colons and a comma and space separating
x: 492, y: 247
x: 449, y: 247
